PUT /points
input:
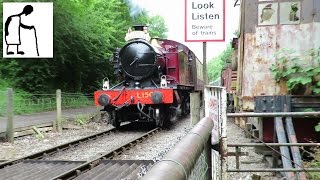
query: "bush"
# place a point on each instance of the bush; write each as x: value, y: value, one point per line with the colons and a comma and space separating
x: 298, y: 71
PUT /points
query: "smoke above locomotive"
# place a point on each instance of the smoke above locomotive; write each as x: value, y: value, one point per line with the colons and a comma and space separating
x: 155, y: 78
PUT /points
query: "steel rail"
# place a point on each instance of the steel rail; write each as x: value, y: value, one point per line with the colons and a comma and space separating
x: 276, y: 170
x: 271, y: 144
x: 53, y: 150
x: 94, y: 162
x: 275, y: 114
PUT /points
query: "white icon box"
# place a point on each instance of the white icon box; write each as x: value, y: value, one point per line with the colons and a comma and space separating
x: 28, y: 30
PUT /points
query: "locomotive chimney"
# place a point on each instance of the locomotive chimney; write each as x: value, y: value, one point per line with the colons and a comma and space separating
x: 141, y: 27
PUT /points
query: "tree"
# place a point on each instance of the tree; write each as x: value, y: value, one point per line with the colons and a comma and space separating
x: 216, y: 65
x: 157, y: 26
x: 86, y: 33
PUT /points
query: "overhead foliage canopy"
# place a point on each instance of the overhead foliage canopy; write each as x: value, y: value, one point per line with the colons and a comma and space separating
x: 86, y: 33
x: 216, y: 65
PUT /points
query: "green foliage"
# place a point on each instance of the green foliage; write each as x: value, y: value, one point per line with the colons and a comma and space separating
x: 308, y: 110
x: 157, y: 26
x: 82, y: 119
x: 218, y: 63
x: 18, y: 97
x: 315, y: 163
x: 86, y: 33
x: 27, y: 103
x: 317, y: 127
x: 75, y: 101
x: 298, y: 71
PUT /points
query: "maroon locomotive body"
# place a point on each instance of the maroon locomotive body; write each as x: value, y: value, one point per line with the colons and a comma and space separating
x: 155, y: 79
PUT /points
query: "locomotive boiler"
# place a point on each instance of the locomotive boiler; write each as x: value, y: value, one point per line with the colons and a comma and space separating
x: 155, y: 79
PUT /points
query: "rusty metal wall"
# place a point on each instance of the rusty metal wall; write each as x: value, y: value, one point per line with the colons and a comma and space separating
x: 261, y: 42
x: 310, y: 12
x: 316, y: 5
x: 250, y: 15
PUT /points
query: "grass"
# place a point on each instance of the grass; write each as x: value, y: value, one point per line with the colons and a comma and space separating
x: 26, y: 103
x: 82, y: 119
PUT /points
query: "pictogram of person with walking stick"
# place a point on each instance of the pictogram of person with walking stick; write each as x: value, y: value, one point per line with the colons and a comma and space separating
x: 12, y: 30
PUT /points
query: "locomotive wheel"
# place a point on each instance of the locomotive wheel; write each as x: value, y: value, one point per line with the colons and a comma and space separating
x: 161, y: 116
x: 116, y: 123
x: 115, y: 120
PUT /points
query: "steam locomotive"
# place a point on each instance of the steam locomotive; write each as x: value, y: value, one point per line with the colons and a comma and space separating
x: 155, y: 78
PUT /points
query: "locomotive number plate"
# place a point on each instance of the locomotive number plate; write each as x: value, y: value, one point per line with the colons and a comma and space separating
x: 144, y: 94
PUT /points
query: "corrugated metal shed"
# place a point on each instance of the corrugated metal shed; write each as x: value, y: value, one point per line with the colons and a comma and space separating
x: 262, y: 41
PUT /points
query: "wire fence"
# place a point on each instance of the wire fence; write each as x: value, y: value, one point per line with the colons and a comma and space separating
x: 26, y: 103
x: 200, y: 168
x: 76, y: 100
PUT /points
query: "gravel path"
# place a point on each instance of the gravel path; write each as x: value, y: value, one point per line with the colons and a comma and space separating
x: 253, y: 161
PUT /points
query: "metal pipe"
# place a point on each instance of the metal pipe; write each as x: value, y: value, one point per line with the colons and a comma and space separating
x: 179, y: 161
x: 294, y: 149
x: 276, y: 170
x: 275, y: 114
x: 285, y: 154
x: 272, y: 144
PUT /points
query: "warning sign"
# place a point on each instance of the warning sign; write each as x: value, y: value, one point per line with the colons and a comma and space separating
x: 204, y: 20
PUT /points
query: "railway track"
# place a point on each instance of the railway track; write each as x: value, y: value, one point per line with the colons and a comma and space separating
x: 70, y: 169
x: 62, y: 147
x: 109, y: 155
x: 66, y: 148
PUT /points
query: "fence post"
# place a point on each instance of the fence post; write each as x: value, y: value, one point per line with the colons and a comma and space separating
x: 9, y: 131
x: 195, y: 108
x: 59, y: 118
x: 223, y: 138
x: 208, y: 158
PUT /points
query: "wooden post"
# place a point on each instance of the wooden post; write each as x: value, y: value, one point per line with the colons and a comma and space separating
x: 59, y: 118
x: 195, y: 108
x: 205, y: 76
x: 9, y: 132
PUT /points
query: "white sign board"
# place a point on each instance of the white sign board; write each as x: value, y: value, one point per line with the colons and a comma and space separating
x: 205, y: 20
x: 215, y: 109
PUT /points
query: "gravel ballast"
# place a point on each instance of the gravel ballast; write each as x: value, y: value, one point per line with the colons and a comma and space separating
x: 153, y: 148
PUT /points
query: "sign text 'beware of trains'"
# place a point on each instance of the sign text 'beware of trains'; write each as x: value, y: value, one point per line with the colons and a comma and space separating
x: 204, y: 20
